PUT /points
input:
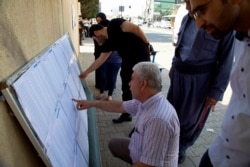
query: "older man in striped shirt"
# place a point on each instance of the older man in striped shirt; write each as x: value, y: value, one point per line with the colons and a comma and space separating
x: 155, y: 141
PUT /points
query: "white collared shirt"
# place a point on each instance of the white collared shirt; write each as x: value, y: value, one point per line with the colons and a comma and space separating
x: 232, y: 146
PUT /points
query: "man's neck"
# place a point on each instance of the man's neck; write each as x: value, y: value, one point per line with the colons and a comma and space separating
x: 106, y: 32
x: 150, y: 93
x: 243, y: 23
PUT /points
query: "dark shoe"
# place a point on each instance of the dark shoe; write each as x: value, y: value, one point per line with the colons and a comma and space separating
x: 121, y: 119
x: 182, y: 157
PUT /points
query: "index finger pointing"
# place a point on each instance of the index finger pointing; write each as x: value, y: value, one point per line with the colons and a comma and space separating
x: 75, y: 100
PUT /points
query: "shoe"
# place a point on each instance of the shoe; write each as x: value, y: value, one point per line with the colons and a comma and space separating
x: 121, y: 119
x: 109, y: 98
x: 182, y: 157
x: 99, y: 97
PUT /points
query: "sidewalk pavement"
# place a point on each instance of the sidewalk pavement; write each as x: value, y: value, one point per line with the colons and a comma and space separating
x: 107, y: 130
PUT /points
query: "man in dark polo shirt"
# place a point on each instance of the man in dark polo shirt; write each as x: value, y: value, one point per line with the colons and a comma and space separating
x: 132, y: 45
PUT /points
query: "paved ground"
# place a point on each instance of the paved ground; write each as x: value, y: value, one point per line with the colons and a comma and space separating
x: 108, y: 130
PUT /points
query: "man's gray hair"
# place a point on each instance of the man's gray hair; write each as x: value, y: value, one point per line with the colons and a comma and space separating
x: 150, y: 72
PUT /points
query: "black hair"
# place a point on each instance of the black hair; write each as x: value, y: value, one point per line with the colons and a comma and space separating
x: 93, y: 28
x: 101, y: 15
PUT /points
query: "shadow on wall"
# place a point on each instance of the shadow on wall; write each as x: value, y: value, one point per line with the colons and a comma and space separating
x: 11, y: 55
x: 1, y: 162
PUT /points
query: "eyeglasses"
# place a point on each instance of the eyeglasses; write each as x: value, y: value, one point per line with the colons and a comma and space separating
x: 200, y: 10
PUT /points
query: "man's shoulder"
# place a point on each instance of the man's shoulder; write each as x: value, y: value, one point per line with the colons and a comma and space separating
x: 105, y: 23
x: 117, y: 21
x: 107, y: 46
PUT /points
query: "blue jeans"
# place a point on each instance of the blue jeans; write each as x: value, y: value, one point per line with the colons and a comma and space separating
x: 109, y: 72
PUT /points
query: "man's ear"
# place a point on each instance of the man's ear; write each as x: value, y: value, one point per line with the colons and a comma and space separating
x: 144, y: 84
x: 96, y: 33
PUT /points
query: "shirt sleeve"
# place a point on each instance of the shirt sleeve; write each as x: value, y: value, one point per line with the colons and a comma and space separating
x: 114, y: 29
x: 131, y: 106
x: 224, y: 66
x: 116, y: 22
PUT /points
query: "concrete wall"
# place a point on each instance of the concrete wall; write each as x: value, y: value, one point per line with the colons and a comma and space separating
x: 26, y: 28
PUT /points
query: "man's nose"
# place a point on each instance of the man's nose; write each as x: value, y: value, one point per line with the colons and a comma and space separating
x: 200, y: 22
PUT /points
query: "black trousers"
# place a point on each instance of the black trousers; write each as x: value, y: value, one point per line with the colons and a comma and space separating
x: 80, y: 35
x: 205, y: 160
x: 125, y: 74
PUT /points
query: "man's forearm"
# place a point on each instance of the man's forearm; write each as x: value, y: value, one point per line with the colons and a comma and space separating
x: 110, y: 106
x: 98, y: 62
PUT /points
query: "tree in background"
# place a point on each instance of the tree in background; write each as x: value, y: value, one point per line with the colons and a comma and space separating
x: 89, y: 8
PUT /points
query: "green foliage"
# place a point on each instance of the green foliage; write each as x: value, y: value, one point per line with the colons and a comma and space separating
x: 89, y: 8
x: 164, y: 9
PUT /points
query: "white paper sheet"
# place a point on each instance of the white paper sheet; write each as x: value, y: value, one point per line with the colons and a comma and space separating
x: 45, y: 92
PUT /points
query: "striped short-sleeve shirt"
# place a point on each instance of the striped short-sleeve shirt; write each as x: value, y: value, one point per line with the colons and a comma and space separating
x: 156, y: 138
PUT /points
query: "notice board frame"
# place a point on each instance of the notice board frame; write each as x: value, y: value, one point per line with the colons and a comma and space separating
x: 9, y: 95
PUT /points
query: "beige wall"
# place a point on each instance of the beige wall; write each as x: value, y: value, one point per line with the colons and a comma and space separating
x: 26, y: 28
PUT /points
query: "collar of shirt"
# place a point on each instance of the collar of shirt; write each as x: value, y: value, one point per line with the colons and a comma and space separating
x: 243, y: 37
x: 151, y: 100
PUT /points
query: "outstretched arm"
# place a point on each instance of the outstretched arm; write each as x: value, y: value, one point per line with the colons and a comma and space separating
x: 96, y: 64
x: 109, y: 106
